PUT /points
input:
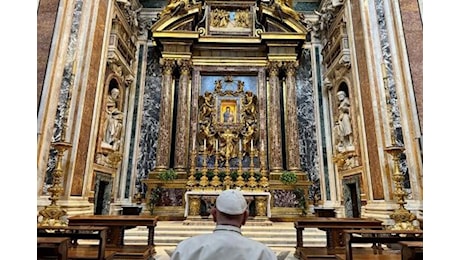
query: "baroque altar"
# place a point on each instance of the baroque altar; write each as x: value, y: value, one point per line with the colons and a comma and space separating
x: 228, y: 112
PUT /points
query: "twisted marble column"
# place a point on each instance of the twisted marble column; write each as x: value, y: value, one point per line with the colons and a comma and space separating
x: 291, y: 126
x: 164, y: 135
x: 274, y: 118
x: 183, y: 117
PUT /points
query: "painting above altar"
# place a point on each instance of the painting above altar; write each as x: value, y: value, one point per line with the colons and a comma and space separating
x: 228, y: 117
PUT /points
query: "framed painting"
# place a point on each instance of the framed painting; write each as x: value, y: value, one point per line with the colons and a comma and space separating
x: 228, y: 111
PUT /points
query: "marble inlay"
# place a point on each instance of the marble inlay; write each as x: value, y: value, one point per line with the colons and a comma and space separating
x: 150, y: 119
x: 134, y: 127
x: 65, y: 92
x: 171, y: 197
x: 307, y: 125
x: 284, y: 198
x: 392, y: 97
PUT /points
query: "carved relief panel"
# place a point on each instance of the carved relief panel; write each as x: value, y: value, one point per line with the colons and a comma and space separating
x: 229, y: 18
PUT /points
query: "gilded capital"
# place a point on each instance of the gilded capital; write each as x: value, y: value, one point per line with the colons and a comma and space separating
x: 167, y: 66
x: 290, y: 67
x: 185, y: 66
x: 273, y: 68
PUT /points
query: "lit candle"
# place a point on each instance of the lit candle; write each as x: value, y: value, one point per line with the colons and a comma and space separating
x: 204, y: 146
x: 217, y: 145
x: 252, y: 144
x: 240, y: 145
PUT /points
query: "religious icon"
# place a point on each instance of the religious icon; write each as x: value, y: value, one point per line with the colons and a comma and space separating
x: 227, y: 110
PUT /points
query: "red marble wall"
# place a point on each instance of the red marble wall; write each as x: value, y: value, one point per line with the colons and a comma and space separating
x: 89, y: 100
x: 47, y: 12
x: 366, y: 102
x: 413, y: 34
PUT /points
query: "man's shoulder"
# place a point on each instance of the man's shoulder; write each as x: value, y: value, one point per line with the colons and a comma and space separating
x: 196, y: 238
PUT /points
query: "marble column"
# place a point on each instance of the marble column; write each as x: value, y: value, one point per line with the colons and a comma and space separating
x: 291, y: 126
x: 167, y: 95
x: 183, y: 117
x: 274, y: 118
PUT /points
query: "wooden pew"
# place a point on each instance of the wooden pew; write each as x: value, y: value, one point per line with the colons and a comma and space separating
x: 378, y: 237
x: 52, y: 246
x: 411, y: 250
x: 76, y: 233
x: 117, y: 225
x: 334, y: 233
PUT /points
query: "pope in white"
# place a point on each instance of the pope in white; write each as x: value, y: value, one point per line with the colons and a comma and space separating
x: 227, y: 241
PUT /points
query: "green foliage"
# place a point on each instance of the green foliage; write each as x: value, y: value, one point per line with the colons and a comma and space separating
x: 301, y: 197
x: 288, y: 178
x: 168, y: 175
x: 155, y: 195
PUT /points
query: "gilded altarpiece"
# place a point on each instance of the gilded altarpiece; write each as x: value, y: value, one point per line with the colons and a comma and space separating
x: 228, y: 121
x: 236, y: 122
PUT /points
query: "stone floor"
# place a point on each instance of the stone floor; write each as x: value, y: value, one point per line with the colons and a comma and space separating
x: 282, y: 253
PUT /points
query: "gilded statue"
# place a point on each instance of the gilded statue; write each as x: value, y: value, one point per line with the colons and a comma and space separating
x: 242, y: 18
x: 174, y: 6
x: 220, y: 18
x: 285, y: 6
x: 248, y: 136
x: 208, y: 133
x: 249, y: 107
x: 228, y: 149
x: 207, y: 107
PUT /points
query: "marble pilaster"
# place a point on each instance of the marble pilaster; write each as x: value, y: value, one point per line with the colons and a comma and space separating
x: 183, y: 118
x: 274, y: 118
x: 146, y: 159
x: 291, y: 125
x: 164, y: 137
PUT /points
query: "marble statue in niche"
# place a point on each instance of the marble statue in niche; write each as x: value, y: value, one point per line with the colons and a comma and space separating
x: 343, y: 125
x: 114, y: 121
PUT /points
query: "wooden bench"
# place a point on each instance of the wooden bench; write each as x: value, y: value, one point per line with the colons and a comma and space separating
x: 334, y: 233
x: 52, y: 246
x: 411, y: 250
x: 377, y: 238
x: 76, y: 233
x: 117, y: 225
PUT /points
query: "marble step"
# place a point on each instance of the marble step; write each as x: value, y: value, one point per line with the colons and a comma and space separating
x: 278, y: 234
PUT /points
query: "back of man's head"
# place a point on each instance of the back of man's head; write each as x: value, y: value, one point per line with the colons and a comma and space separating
x: 231, y: 202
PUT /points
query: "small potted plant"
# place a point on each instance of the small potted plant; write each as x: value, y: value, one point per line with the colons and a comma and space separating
x: 288, y: 178
x: 168, y: 175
